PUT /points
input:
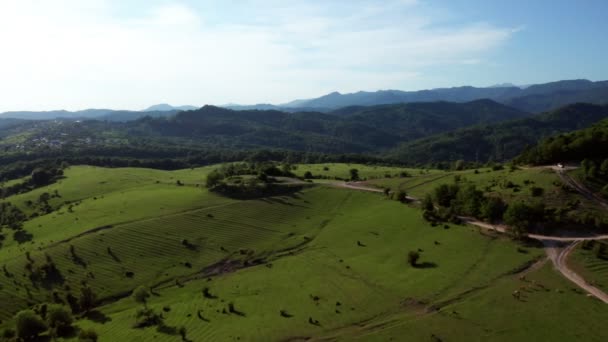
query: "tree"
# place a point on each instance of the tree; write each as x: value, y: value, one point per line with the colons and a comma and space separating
x: 213, y: 179
x: 308, y: 175
x: 427, y: 203
x: 88, y: 335
x: 604, y: 168
x: 354, y: 174
x: 29, y: 324
x: 41, y: 177
x: 401, y: 196
x: 141, y: 295
x: 522, y: 217
x: 88, y: 299
x: 536, y: 191
x: 412, y: 258
x: 59, y: 318
x: 492, y: 209
x: 459, y: 165
x: 444, y: 194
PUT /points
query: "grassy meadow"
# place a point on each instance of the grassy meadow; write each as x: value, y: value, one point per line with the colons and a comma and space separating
x: 323, y: 263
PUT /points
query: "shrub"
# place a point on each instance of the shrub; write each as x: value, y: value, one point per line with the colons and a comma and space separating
x: 59, y: 318
x: 308, y: 175
x: 401, y: 196
x: 8, y: 333
x: 147, y: 317
x: 412, y: 258
x: 29, y: 324
x: 141, y: 295
x: 536, y: 191
x: 88, y: 335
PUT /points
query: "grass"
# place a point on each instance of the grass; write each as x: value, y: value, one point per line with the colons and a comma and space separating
x: 342, y: 171
x: 334, y: 256
x: 366, y: 281
x: 594, y: 269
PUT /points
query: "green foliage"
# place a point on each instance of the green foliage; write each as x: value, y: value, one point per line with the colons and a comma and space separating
x: 59, y: 319
x: 506, y: 140
x: 87, y: 299
x: 521, y: 217
x: 146, y: 317
x: 587, y: 144
x: 87, y: 335
x: 354, y: 174
x: 401, y: 196
x: 412, y: 258
x: 536, y: 191
x: 427, y: 203
x: 29, y: 324
x: 492, y: 209
x: 141, y: 294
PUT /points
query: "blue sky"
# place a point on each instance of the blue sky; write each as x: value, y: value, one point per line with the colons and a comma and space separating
x: 122, y: 54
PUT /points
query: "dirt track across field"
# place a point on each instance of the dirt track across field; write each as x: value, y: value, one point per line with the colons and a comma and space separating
x: 554, y: 244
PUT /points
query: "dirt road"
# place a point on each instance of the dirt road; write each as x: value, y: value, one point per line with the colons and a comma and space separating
x: 559, y: 256
x: 553, y: 244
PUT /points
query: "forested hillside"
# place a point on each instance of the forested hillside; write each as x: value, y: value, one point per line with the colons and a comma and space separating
x: 498, y: 142
x: 588, y: 143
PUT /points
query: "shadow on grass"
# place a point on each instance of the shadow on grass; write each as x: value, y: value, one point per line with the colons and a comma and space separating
x: 426, y: 264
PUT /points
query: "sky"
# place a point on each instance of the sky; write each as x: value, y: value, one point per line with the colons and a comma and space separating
x: 130, y: 54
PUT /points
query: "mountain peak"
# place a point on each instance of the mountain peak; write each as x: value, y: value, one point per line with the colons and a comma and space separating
x: 165, y: 107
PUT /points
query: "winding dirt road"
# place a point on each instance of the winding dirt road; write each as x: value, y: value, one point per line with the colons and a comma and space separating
x: 554, y: 245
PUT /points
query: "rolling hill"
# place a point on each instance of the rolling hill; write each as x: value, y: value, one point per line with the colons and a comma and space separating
x: 498, y: 142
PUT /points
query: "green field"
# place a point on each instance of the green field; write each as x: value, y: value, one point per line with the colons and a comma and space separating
x: 334, y: 256
x: 593, y: 267
x: 342, y: 171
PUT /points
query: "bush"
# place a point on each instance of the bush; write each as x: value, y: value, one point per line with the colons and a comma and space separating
x: 141, y: 295
x: 412, y: 258
x: 308, y: 175
x: 29, y: 324
x: 59, y: 318
x: 536, y: 191
x: 401, y: 196
x: 147, y: 317
x: 88, y: 335
x: 8, y: 333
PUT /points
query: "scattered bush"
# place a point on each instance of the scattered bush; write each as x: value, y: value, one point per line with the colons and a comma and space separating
x: 29, y: 325
x: 412, y: 258
x: 140, y: 295
x: 88, y: 335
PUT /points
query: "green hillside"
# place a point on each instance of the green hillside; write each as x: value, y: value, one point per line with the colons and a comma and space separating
x: 321, y: 263
x: 498, y: 142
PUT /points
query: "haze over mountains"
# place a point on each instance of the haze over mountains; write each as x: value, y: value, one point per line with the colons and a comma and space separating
x: 533, y: 99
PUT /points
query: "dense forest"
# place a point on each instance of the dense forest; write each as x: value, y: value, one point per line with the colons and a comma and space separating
x: 498, y: 142
x: 433, y: 133
x: 589, y: 143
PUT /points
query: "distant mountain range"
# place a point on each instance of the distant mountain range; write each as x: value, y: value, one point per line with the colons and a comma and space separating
x: 535, y: 98
x: 529, y: 98
x: 162, y: 109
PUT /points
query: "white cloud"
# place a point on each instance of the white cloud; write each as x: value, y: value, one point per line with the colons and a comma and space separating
x: 78, y: 54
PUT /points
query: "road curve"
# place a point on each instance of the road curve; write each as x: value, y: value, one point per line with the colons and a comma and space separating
x: 560, y: 262
x: 557, y: 254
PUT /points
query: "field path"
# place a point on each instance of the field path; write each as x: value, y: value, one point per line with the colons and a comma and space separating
x: 578, y: 186
x: 559, y: 258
